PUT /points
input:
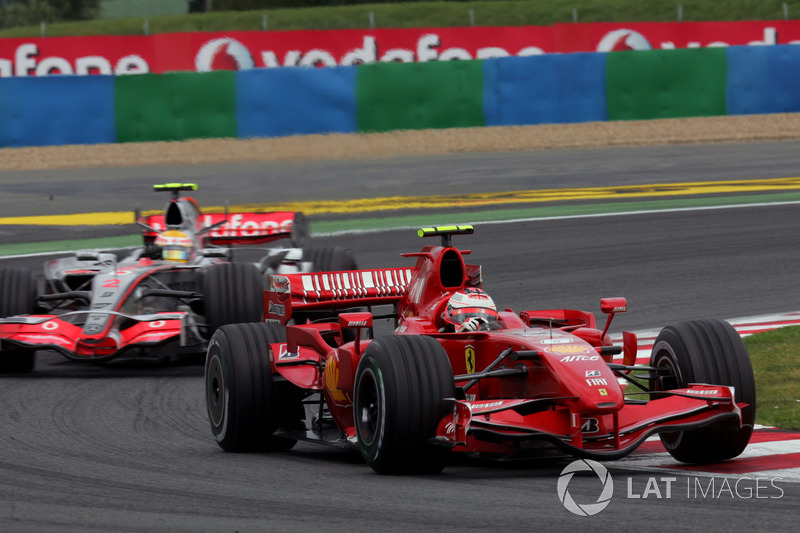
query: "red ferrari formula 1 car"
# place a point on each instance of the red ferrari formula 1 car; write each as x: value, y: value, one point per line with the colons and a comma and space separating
x: 164, y: 299
x: 457, y: 375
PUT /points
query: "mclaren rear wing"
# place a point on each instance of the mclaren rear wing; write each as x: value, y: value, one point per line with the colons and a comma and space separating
x: 288, y: 293
x: 240, y: 228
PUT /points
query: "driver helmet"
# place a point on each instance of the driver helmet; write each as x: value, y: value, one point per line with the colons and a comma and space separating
x: 175, y: 246
x: 469, y: 303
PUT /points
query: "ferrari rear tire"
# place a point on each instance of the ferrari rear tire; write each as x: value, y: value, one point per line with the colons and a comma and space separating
x: 233, y: 293
x: 243, y: 406
x: 330, y: 259
x: 17, y: 297
x: 712, y: 352
x: 400, y: 385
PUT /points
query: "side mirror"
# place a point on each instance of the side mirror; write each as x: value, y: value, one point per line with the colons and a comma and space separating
x: 356, y: 321
x: 612, y: 306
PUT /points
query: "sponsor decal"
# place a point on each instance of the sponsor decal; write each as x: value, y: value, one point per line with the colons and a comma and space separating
x: 283, y: 352
x: 223, y: 54
x: 244, y: 50
x: 279, y: 284
x: 276, y: 309
x: 705, y: 392
x: 50, y: 325
x: 622, y: 40
x: 332, y: 380
x: 469, y: 357
x: 603, y: 392
x: 596, y: 382
x: 50, y: 339
x: 592, y: 373
x: 157, y: 323
x: 590, y: 425
x: 485, y: 405
x: 576, y: 358
x: 565, y: 349
x: 556, y: 340
x: 247, y: 225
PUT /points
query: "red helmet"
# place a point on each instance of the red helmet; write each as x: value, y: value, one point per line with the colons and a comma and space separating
x: 469, y: 303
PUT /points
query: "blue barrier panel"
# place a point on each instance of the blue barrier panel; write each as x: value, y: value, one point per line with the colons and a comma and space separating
x: 544, y: 89
x: 53, y: 110
x: 763, y: 79
x: 295, y: 101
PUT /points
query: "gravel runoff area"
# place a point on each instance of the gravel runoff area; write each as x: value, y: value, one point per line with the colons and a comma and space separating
x: 722, y: 129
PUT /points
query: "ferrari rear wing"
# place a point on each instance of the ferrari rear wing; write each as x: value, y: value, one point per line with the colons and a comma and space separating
x: 333, y: 290
x: 240, y: 228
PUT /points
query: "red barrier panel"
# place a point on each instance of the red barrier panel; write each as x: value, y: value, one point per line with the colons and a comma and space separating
x: 202, y: 51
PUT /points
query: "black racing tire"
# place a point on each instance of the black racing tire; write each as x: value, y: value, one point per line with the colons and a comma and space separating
x: 299, y: 234
x: 400, y: 385
x: 233, y: 293
x: 330, y: 259
x: 18, y: 291
x: 712, y: 352
x: 242, y: 397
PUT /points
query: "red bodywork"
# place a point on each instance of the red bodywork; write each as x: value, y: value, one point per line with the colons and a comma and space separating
x: 546, y: 378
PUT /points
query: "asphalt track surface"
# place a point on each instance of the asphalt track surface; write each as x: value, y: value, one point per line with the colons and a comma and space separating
x: 127, y: 447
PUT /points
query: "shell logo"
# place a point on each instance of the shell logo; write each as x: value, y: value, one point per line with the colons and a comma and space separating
x: 568, y: 349
x: 332, y: 380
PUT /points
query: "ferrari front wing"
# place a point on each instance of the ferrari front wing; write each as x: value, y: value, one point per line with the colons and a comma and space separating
x: 510, y: 426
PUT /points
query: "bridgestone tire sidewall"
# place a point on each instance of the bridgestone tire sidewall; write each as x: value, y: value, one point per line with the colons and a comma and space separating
x: 239, y: 388
x: 409, y: 376
x: 707, y: 351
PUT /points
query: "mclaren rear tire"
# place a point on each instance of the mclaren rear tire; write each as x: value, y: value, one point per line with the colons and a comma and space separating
x: 330, y: 259
x: 712, y: 352
x: 233, y: 293
x: 18, y: 291
x: 244, y: 403
x: 400, y: 385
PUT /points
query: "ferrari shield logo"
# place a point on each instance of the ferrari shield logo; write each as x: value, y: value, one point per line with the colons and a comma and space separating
x: 469, y: 357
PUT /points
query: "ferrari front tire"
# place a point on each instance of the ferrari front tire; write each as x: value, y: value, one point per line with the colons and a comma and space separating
x: 243, y: 408
x: 400, y: 385
x: 712, y: 352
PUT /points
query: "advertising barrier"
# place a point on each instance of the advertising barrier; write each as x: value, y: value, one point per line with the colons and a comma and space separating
x: 557, y: 88
x: 244, y: 50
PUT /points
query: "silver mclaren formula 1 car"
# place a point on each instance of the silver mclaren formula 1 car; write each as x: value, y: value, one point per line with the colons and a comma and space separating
x: 160, y: 301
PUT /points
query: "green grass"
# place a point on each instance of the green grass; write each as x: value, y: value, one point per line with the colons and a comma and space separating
x: 776, y: 363
x: 431, y: 14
